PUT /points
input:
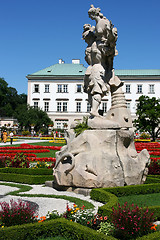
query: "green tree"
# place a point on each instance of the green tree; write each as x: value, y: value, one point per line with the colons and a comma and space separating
x: 9, y: 99
x: 148, y: 116
x: 28, y: 115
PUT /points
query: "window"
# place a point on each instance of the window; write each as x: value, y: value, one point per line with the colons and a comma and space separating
x: 65, y: 88
x: 88, y: 107
x: 59, y: 106
x: 36, y: 87
x: 79, y: 88
x: 46, y: 88
x: 139, y: 88
x: 64, y: 106
x: 78, y: 107
x: 58, y: 125
x: 46, y: 106
x: 128, y: 88
x: 65, y: 125
x: 62, y: 88
x: 59, y: 89
x: 151, y: 88
x: 104, y: 107
x: 36, y: 105
x: 128, y: 105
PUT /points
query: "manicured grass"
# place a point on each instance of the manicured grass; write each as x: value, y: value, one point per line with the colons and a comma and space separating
x: 142, y: 200
x: 52, y: 154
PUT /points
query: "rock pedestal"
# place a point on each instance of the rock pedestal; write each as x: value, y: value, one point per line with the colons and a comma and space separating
x: 101, y: 158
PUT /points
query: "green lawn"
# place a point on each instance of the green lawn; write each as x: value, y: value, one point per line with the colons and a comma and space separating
x: 142, y: 200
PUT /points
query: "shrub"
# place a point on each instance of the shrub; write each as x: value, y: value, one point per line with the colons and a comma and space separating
x: 154, y: 167
x: 16, y: 213
x: 106, y: 228
x: 2, y: 161
x: 28, y: 171
x: 19, y: 161
x: 28, y: 179
x: 130, y: 221
x: 54, y: 227
x: 144, y: 135
x: 83, y: 216
x: 53, y: 215
x: 25, y: 133
x: 81, y: 126
x: 79, y: 215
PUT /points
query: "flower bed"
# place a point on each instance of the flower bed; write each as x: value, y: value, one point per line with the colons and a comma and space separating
x: 29, y: 152
x: 154, y: 150
x: 28, y: 146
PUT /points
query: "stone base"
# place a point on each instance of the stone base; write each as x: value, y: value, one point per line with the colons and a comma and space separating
x: 83, y: 191
x: 100, y: 158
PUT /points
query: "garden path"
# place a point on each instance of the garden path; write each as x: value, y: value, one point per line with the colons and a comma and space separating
x: 44, y: 204
x: 21, y: 141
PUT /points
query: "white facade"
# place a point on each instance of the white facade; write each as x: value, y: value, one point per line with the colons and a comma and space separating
x: 58, y: 90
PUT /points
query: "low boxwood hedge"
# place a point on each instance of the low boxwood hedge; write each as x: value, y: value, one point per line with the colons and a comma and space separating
x: 134, y: 189
x: 50, y: 228
x: 27, y: 179
x: 153, y: 179
x: 59, y: 227
x: 28, y: 171
x: 103, y: 196
x: 151, y: 236
x: 109, y: 196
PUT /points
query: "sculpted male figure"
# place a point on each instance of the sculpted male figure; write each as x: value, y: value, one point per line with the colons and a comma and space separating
x: 99, y: 54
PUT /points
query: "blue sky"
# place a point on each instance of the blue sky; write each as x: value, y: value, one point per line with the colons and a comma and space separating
x: 35, y: 34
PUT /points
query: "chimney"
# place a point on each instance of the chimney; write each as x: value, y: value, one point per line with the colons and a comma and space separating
x: 76, y: 61
x: 61, y: 61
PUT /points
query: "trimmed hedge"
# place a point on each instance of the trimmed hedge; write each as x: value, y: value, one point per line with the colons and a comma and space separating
x: 133, y: 189
x: 109, y: 196
x: 50, y: 228
x: 151, y: 236
x: 56, y: 227
x: 28, y: 171
x: 101, y: 195
x: 153, y: 179
x: 28, y: 179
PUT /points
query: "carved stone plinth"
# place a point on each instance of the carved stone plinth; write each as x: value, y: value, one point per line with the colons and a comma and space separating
x: 101, y: 158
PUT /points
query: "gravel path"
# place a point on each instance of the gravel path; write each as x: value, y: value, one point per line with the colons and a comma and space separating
x: 44, y: 204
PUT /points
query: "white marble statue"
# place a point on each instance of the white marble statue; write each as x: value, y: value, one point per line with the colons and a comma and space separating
x: 105, y: 154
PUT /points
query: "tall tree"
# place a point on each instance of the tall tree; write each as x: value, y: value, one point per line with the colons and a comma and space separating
x: 27, y: 115
x: 9, y: 99
x: 148, y: 116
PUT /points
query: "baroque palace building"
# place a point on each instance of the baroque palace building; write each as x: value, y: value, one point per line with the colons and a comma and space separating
x: 58, y: 90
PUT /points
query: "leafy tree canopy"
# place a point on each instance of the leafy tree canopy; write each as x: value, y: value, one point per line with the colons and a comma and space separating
x: 148, y: 116
x: 27, y: 116
x: 9, y: 99
x: 15, y: 105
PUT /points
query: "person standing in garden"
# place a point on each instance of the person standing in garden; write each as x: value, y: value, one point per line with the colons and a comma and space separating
x: 11, y: 136
x: 2, y: 136
x: 5, y: 136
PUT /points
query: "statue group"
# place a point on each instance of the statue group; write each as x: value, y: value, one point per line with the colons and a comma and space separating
x: 104, y: 155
